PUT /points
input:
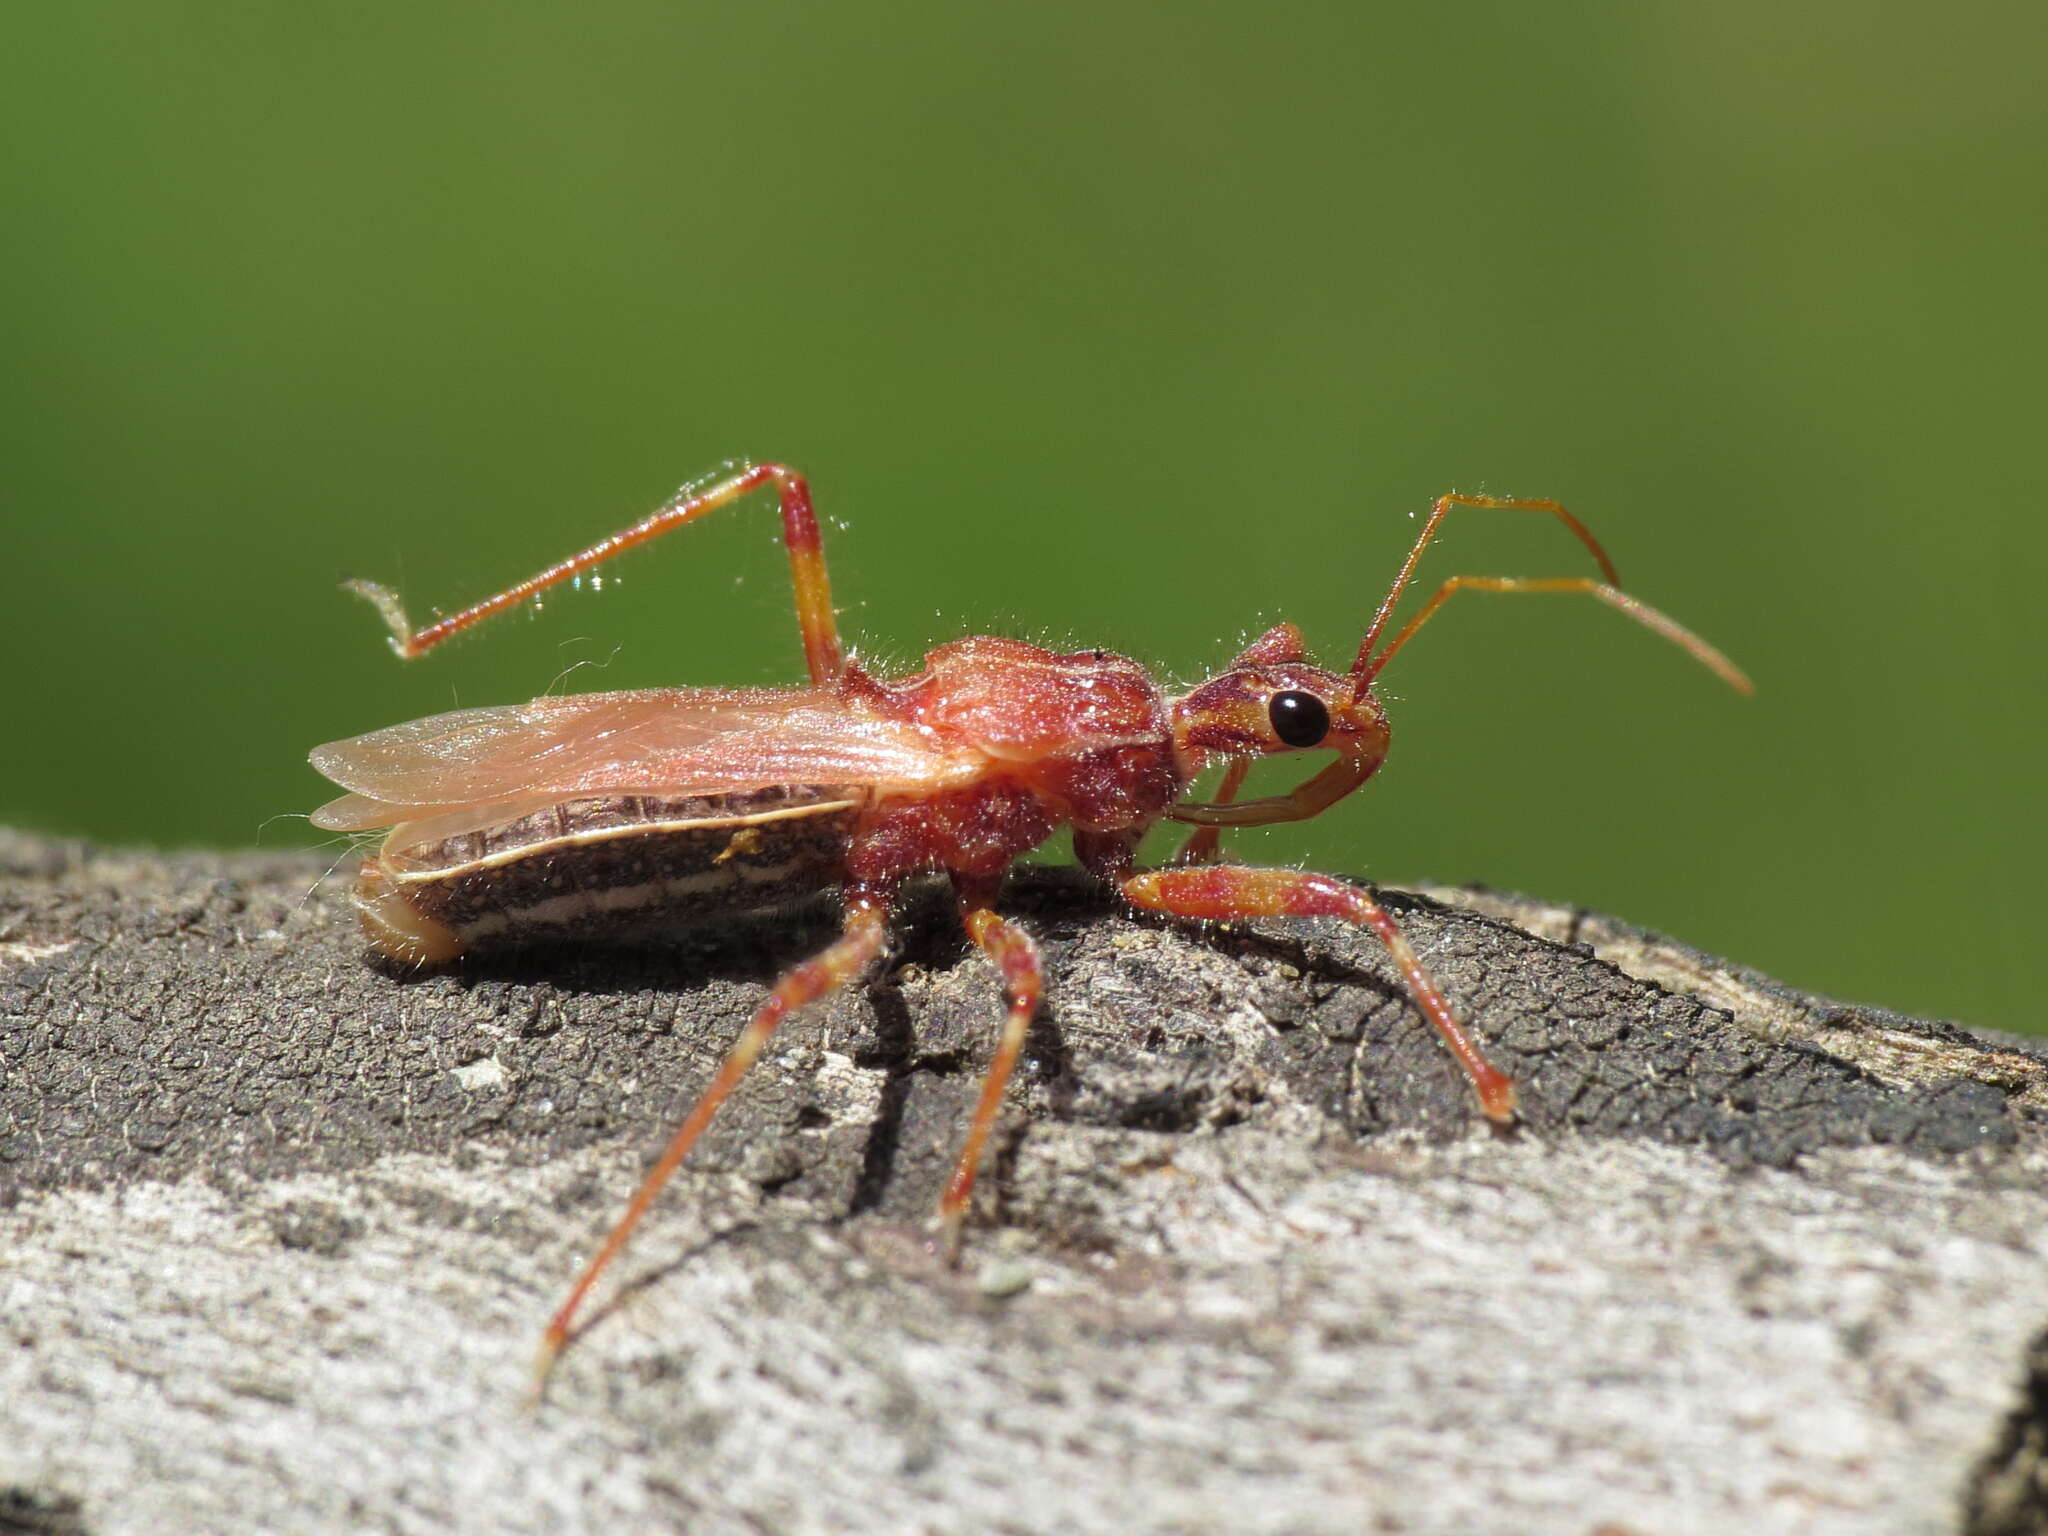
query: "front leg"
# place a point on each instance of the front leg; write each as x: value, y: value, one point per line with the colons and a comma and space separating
x: 1223, y: 892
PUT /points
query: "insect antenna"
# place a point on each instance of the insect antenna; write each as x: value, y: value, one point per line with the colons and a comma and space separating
x: 1369, y: 666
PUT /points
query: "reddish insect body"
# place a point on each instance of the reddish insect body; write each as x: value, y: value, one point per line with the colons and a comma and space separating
x: 554, y: 817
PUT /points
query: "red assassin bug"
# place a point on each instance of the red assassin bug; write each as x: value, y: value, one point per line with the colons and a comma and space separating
x: 565, y: 814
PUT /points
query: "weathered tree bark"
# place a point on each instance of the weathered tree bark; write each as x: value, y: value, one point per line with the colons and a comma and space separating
x: 281, y: 1227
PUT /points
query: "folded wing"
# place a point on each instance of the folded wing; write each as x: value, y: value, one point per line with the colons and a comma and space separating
x: 670, y: 741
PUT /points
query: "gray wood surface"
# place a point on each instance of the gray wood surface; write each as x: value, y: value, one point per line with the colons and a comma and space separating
x: 279, y: 1228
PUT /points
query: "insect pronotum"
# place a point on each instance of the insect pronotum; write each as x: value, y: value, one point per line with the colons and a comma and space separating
x: 563, y: 815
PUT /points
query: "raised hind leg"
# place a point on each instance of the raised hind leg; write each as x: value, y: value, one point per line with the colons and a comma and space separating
x: 814, y: 617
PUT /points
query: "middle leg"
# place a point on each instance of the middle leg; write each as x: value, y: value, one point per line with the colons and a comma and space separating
x: 1010, y: 949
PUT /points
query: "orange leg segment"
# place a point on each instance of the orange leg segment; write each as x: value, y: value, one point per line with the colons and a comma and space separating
x: 1220, y: 893
x: 841, y: 962
x: 822, y: 653
x: 1013, y: 954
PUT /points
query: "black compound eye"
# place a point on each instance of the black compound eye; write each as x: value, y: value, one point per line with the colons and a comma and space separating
x: 1299, y: 719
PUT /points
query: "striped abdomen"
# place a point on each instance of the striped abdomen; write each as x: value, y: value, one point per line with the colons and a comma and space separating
x: 581, y: 866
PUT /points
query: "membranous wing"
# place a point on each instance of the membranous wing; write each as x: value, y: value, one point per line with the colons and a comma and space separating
x: 668, y: 741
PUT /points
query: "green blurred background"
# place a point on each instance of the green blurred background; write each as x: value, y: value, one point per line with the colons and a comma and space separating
x: 1141, y: 326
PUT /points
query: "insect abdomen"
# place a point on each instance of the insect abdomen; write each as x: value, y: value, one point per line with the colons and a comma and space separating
x: 583, y: 867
